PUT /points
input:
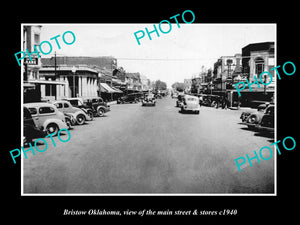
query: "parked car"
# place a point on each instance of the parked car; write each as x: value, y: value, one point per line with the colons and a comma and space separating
x: 255, y: 118
x: 179, y: 101
x: 79, y: 114
x: 149, y: 100
x: 190, y: 104
x: 78, y: 103
x: 47, y: 117
x: 261, y: 108
x: 131, y: 98
x: 98, y: 106
x: 31, y: 130
x: 70, y: 120
x: 209, y: 100
x: 267, y: 121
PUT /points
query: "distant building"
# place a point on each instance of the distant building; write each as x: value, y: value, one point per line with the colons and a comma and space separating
x: 144, y: 83
x: 187, y: 85
x: 225, y: 70
x: 133, y: 81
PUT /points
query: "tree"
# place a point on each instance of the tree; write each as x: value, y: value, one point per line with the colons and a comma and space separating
x: 178, y: 86
x: 160, y: 85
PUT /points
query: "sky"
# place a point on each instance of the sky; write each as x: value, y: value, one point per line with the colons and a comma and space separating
x: 171, y: 57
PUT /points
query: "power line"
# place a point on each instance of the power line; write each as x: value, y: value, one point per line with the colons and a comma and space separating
x: 169, y: 59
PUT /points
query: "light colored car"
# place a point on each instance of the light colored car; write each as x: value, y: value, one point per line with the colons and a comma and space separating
x: 149, y: 100
x: 66, y: 107
x: 47, y: 117
x: 190, y: 104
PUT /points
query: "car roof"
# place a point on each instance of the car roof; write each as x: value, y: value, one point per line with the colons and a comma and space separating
x: 190, y: 96
x: 72, y: 98
x: 58, y: 101
x: 38, y: 104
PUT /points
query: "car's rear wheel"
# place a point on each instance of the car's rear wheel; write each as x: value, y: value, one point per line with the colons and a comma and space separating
x: 52, y: 128
x: 80, y: 119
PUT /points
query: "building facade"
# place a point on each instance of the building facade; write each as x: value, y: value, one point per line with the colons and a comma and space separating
x: 258, y: 57
x: 79, y: 81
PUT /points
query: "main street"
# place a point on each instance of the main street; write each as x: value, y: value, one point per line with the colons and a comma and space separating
x: 135, y: 149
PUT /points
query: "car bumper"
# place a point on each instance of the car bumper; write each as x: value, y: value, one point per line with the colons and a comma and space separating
x: 261, y: 128
x: 148, y: 103
x: 196, y: 109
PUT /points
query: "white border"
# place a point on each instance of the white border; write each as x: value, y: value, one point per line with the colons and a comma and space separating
x: 153, y: 194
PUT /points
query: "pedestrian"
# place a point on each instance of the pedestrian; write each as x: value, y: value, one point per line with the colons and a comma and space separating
x: 217, y: 102
x: 224, y: 102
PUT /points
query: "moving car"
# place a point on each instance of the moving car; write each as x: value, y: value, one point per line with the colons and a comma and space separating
x: 79, y: 114
x: 149, y: 100
x: 47, y: 117
x: 190, y: 104
x: 174, y: 95
x: 31, y: 130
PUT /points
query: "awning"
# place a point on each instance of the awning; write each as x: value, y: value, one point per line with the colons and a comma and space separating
x: 106, y: 88
x: 27, y: 85
x: 117, y: 90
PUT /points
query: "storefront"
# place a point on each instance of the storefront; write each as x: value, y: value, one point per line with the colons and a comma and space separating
x: 79, y: 81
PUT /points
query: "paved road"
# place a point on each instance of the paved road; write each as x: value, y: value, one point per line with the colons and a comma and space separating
x: 137, y: 149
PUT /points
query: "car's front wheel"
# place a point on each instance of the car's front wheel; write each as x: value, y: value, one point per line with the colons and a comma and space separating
x: 52, y: 128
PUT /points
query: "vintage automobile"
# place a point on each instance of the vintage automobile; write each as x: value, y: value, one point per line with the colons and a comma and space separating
x: 66, y: 107
x: 70, y: 120
x: 261, y: 108
x: 190, y: 104
x: 31, y: 130
x: 180, y: 100
x: 149, y: 100
x: 78, y: 103
x: 267, y: 121
x: 209, y: 100
x: 131, y: 98
x: 255, y: 118
x: 98, y: 106
x: 47, y: 117
x: 174, y: 95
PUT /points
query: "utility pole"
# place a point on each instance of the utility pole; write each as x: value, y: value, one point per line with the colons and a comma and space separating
x: 55, y: 75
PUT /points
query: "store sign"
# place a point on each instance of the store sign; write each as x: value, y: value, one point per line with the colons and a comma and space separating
x: 34, y: 61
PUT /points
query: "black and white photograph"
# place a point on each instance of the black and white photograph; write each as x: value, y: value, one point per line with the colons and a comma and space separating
x: 148, y: 116
x: 170, y: 114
